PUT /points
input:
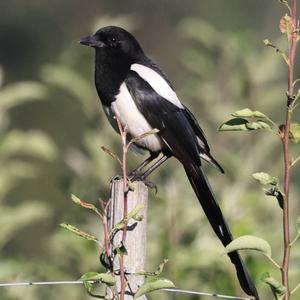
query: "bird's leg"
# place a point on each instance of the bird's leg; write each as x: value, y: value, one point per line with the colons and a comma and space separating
x: 145, y: 163
x: 143, y: 177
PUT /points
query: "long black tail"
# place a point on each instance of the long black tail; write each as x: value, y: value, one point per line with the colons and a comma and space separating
x: 215, y: 217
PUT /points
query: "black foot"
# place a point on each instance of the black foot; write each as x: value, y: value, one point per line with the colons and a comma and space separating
x: 148, y: 183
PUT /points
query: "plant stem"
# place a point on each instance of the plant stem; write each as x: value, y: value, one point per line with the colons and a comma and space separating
x: 285, y: 143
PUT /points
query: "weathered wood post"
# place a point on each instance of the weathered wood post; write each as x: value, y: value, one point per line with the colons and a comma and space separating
x: 136, y: 237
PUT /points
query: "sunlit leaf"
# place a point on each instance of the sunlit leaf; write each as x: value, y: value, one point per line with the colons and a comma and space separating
x: 248, y: 113
x: 277, y: 288
x: 153, y: 284
x: 265, y: 178
x: 79, y: 232
x: 258, y: 125
x: 84, y: 204
x: 249, y: 242
x: 134, y: 214
x: 106, y: 278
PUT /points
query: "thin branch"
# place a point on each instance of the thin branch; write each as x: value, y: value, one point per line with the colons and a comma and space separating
x: 294, y: 240
x: 273, y: 261
x: 285, y: 145
x: 295, y: 289
x: 295, y: 161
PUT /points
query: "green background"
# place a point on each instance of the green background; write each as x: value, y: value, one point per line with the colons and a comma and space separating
x: 52, y: 127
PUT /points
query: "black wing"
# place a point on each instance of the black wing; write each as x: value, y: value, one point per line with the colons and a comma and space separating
x: 171, y: 121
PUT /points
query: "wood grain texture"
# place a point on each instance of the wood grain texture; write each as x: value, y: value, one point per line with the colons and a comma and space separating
x: 136, y: 238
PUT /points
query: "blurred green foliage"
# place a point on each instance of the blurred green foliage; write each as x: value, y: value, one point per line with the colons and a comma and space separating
x: 52, y: 128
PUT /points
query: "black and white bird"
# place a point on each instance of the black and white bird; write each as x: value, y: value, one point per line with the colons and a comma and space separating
x: 133, y: 89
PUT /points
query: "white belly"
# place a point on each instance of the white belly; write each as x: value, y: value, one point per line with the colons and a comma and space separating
x: 126, y: 111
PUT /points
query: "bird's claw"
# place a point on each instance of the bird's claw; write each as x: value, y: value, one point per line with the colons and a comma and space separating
x: 148, y: 183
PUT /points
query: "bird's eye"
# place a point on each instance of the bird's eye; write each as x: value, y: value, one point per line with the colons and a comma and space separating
x: 112, y: 42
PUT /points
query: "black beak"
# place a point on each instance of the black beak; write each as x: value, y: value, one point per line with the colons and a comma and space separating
x: 91, y: 41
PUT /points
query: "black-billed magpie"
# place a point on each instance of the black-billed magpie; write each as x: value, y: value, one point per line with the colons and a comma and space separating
x: 132, y: 88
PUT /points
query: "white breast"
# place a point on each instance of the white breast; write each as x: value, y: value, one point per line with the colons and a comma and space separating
x: 126, y: 111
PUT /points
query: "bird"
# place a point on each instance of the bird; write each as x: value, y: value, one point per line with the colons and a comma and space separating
x: 134, y: 90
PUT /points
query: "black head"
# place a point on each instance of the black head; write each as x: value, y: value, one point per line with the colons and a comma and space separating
x: 114, y: 41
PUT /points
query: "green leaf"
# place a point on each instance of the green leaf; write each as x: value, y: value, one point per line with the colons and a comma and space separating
x: 248, y: 113
x: 277, y: 288
x: 153, y: 284
x: 84, y: 204
x: 294, y: 134
x: 79, y: 232
x: 134, y: 214
x: 258, y: 125
x: 106, y: 278
x: 236, y: 124
x: 265, y: 178
x: 249, y: 242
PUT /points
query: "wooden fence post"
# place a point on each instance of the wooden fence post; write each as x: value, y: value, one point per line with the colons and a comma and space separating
x: 136, y: 237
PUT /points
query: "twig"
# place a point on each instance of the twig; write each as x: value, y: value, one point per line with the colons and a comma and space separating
x: 294, y: 240
x: 295, y: 289
x: 295, y: 161
x: 285, y: 144
x: 273, y: 261
x: 105, y: 226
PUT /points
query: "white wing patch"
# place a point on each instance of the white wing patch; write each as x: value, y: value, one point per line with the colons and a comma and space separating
x: 125, y: 109
x: 158, y: 83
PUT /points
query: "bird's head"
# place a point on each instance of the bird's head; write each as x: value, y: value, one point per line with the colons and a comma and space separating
x: 113, y: 41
